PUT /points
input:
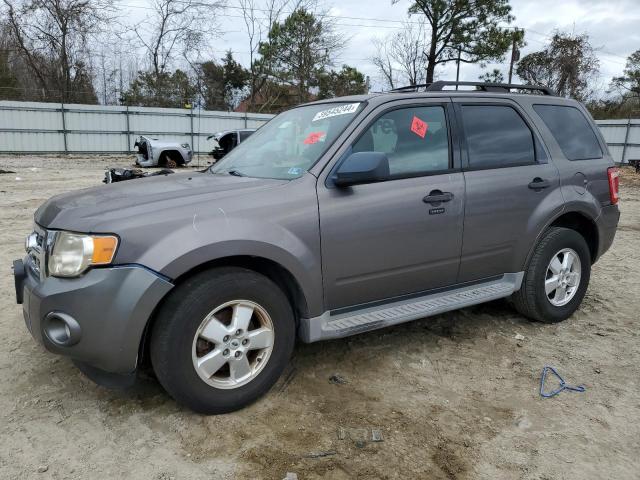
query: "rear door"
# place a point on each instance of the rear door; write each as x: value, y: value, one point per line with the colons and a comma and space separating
x: 391, y: 238
x: 511, y: 185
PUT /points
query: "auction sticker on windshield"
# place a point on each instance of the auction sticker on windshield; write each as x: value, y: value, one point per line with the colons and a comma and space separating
x: 335, y: 111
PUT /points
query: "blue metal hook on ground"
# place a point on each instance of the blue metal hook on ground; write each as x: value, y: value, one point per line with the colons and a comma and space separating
x: 563, y: 384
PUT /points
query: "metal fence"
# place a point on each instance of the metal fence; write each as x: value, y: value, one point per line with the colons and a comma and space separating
x: 32, y: 127
x: 622, y: 137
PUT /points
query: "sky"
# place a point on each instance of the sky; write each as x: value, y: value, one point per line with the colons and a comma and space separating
x: 612, y: 25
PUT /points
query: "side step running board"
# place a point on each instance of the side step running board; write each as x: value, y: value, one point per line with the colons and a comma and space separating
x: 340, y: 325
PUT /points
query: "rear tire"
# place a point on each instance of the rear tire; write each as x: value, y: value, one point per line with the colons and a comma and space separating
x: 556, y: 278
x: 219, y: 373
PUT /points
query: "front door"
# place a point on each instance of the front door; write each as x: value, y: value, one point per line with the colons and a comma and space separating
x: 403, y: 235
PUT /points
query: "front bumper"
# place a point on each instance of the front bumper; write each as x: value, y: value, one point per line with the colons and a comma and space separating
x: 110, y: 308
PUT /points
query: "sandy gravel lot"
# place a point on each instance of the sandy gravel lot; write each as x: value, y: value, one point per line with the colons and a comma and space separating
x: 454, y: 396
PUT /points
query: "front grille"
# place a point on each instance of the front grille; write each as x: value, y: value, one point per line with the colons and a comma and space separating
x: 37, y: 251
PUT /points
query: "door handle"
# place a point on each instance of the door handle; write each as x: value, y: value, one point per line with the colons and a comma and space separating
x: 436, y: 196
x: 539, y: 183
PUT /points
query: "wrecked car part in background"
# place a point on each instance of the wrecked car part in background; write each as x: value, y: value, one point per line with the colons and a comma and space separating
x: 113, y: 175
x: 153, y: 152
x: 227, y: 140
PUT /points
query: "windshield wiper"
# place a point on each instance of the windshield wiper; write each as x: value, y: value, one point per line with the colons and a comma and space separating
x: 235, y: 173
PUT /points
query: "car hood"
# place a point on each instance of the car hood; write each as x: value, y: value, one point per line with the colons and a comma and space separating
x: 90, y: 209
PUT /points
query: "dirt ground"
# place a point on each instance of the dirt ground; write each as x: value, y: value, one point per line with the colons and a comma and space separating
x: 452, y: 397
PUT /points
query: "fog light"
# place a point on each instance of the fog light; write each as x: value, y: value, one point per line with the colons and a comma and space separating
x: 61, y: 329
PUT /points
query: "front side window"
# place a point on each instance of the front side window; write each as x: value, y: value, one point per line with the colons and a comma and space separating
x: 497, y: 136
x: 571, y: 130
x: 415, y: 140
x: 290, y: 143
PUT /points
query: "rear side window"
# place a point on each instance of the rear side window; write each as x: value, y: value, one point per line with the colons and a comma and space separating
x: 497, y: 136
x: 571, y: 130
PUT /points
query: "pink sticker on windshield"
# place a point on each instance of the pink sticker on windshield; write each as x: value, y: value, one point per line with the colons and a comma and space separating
x: 314, y: 137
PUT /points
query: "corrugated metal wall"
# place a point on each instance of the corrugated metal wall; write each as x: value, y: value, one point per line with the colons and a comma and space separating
x: 31, y: 127
x: 622, y: 137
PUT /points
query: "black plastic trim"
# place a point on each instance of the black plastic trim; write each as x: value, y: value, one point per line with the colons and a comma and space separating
x: 107, y: 379
x: 19, y: 274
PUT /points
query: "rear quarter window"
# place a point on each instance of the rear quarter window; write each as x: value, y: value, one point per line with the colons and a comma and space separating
x: 572, y: 131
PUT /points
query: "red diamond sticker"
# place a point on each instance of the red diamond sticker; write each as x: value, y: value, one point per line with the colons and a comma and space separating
x: 419, y: 127
x: 314, y: 137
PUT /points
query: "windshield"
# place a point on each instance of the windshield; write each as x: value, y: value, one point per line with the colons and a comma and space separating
x: 290, y: 143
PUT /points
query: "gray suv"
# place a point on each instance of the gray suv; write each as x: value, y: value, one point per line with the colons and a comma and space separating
x: 336, y: 217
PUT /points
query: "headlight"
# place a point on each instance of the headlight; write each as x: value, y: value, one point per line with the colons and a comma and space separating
x: 73, y: 253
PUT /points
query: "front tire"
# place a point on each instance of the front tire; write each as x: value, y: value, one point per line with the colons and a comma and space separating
x: 166, y: 161
x: 556, y: 278
x: 222, y: 339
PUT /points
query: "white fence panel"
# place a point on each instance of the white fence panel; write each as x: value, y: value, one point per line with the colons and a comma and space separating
x: 31, y: 142
x: 30, y: 115
x: 96, y: 142
x: 32, y: 127
x: 622, y: 137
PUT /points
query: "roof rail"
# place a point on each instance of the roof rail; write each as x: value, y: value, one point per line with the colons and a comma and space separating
x: 411, y: 88
x: 481, y: 86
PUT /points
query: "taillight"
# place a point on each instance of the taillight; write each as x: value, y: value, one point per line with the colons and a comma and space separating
x: 614, y: 184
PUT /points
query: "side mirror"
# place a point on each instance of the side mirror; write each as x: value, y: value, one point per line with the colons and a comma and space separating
x: 362, y: 167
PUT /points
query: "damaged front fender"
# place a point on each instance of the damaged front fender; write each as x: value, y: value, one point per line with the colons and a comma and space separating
x: 153, y: 152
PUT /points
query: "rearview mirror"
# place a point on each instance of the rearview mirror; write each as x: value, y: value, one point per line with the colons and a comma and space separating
x: 362, y: 167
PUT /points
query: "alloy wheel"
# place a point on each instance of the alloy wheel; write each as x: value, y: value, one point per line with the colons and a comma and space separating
x: 562, y: 278
x: 233, y: 344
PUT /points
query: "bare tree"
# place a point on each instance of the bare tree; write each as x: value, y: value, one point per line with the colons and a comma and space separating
x: 52, y: 38
x: 11, y: 87
x: 176, y: 28
x: 384, y: 63
x: 402, y: 52
x: 407, y: 47
x: 258, y: 19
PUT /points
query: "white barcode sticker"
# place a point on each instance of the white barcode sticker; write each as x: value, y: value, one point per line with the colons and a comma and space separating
x: 335, y: 111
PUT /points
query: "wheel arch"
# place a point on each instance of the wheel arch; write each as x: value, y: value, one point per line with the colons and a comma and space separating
x: 582, y: 224
x: 574, y: 220
x: 170, y: 153
x: 271, y: 269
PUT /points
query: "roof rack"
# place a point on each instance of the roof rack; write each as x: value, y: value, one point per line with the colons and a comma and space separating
x: 480, y: 86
